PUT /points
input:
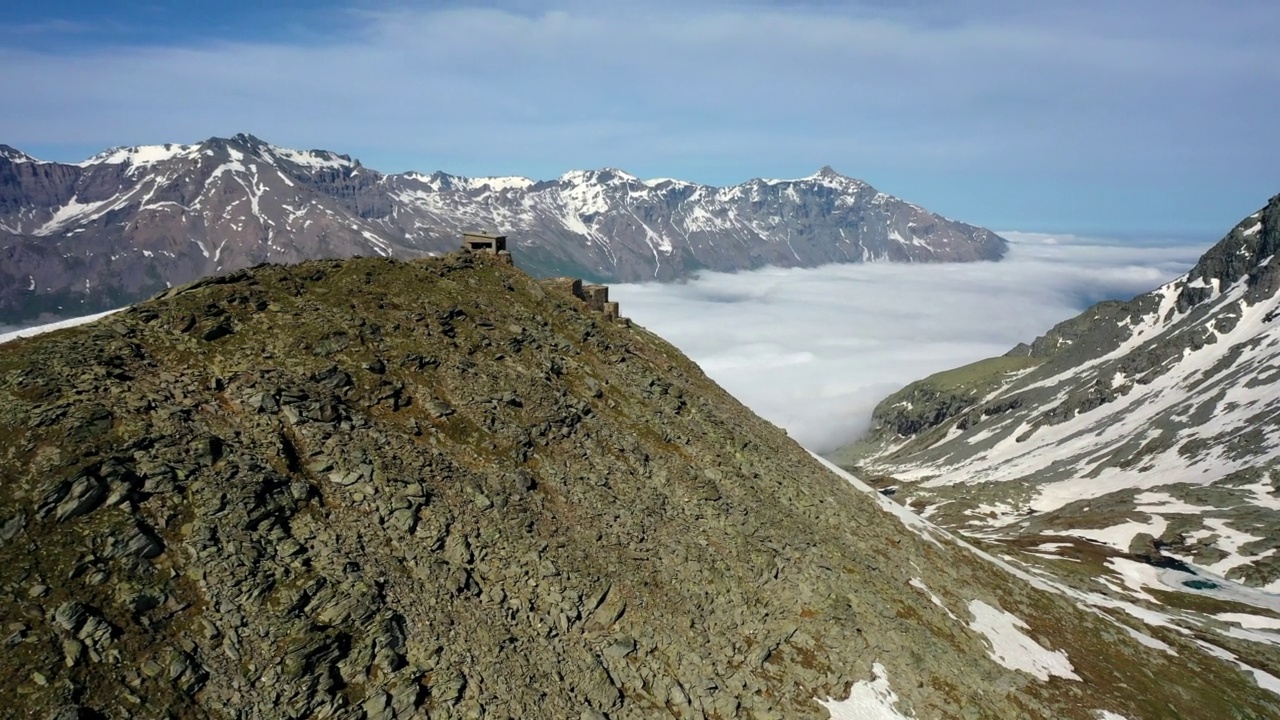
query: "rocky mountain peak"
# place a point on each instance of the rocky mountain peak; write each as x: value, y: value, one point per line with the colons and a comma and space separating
x: 826, y: 172
x: 14, y: 155
x: 829, y: 177
x: 243, y: 144
x: 248, y: 140
x: 1246, y: 253
x: 603, y: 176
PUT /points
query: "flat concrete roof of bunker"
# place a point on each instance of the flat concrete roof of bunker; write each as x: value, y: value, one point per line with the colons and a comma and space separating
x: 484, y: 241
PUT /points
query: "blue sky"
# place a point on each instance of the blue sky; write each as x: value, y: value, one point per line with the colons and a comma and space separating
x: 1148, y: 117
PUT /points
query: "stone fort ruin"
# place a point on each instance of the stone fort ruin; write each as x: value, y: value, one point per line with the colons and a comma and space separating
x: 596, y: 297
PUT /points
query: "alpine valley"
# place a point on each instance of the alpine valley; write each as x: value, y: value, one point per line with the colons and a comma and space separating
x: 1131, y: 453
x: 127, y: 223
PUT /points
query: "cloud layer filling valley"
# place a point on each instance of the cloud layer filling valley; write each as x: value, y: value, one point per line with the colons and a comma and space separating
x: 814, y: 350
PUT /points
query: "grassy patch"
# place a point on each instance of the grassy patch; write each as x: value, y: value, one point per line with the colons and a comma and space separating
x: 978, y: 374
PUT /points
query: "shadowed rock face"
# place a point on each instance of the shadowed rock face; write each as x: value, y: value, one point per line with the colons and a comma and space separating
x: 377, y: 489
x: 125, y: 224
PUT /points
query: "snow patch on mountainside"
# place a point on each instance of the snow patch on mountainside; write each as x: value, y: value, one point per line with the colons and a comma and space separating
x: 50, y: 327
x: 868, y: 700
x: 141, y: 156
x: 1261, y: 622
x: 74, y: 211
x: 1012, y: 648
x: 655, y: 182
x: 313, y: 159
x: 497, y: 184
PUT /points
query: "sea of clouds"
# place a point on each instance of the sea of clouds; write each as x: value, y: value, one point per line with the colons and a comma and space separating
x: 814, y: 350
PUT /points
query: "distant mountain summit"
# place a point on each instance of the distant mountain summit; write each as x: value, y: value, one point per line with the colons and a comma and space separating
x: 131, y: 220
x: 14, y: 155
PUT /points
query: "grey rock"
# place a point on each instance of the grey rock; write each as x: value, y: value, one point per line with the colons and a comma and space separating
x: 11, y: 527
x: 345, y: 478
x: 217, y: 332
x: 1143, y: 544
x: 140, y: 542
x: 620, y: 647
x: 378, y: 706
x: 449, y: 690
x: 439, y: 409
x: 70, y: 616
x: 599, y: 689
x: 83, y: 495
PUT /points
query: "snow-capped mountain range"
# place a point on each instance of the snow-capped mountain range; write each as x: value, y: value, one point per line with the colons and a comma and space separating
x: 1150, y: 427
x: 127, y: 222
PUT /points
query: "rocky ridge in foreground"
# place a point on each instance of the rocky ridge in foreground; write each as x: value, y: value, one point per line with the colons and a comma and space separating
x: 377, y: 489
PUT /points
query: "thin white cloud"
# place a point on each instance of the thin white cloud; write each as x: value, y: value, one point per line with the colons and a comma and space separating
x: 814, y: 350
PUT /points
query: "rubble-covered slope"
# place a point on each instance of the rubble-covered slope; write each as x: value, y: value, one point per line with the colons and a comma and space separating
x: 377, y: 489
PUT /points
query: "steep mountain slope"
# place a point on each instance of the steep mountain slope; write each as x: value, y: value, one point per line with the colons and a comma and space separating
x: 122, y: 225
x: 376, y: 489
x: 1145, y: 434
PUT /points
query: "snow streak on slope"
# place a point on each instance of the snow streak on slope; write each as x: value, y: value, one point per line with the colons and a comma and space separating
x: 868, y: 700
x: 50, y: 327
x: 1011, y: 647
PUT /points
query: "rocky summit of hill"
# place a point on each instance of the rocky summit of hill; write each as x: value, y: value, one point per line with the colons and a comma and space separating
x: 441, y: 488
x: 95, y: 235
